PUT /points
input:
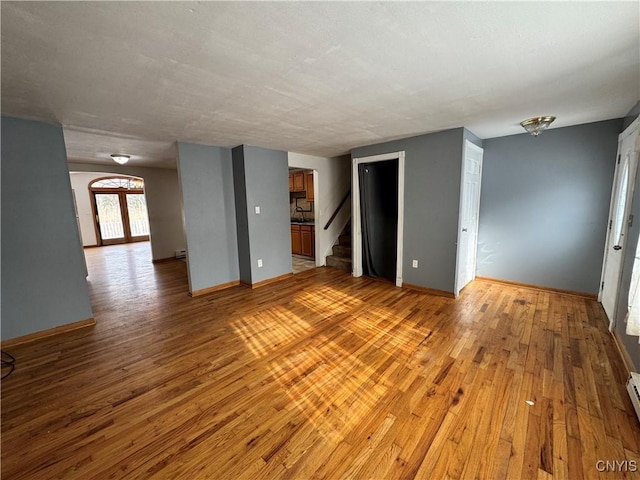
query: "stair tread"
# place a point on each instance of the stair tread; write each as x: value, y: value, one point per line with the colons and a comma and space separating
x: 344, y: 240
x: 342, y: 263
x: 342, y: 251
x: 341, y: 257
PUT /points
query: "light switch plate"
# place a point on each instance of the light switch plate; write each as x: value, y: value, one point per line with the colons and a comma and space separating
x: 257, y: 210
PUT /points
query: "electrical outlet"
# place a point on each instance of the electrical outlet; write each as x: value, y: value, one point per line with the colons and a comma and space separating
x: 415, y: 264
x: 259, y: 263
x: 257, y: 210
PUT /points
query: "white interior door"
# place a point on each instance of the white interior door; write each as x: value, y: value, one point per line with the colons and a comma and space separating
x: 469, y: 215
x: 621, y: 195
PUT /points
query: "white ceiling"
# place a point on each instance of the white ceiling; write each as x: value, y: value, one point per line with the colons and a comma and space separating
x: 317, y: 78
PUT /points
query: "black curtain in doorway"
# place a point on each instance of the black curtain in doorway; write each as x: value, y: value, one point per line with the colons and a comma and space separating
x: 379, y: 217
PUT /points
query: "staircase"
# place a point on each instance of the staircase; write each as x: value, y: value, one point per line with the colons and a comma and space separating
x: 341, y: 257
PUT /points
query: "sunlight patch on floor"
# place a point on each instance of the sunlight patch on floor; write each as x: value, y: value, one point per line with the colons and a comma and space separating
x: 334, y: 390
x: 328, y: 301
x: 272, y: 328
x: 333, y: 386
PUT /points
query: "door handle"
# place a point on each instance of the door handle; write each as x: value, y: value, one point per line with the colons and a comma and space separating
x: 617, y: 247
x: 464, y: 229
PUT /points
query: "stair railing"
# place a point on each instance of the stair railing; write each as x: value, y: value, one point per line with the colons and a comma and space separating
x: 333, y: 216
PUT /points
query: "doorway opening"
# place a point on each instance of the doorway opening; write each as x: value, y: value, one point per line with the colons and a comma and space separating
x: 379, y: 218
x: 378, y: 215
x: 119, y: 210
x: 302, y: 215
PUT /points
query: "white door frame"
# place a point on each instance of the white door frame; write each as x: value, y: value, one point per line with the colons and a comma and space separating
x: 472, y: 146
x: 356, y: 214
x: 316, y: 215
x: 631, y: 129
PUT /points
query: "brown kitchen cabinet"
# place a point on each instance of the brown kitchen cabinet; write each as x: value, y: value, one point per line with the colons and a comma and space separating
x: 303, y: 240
x: 296, y: 244
x: 308, y: 185
x: 298, y: 182
x: 291, y: 182
x: 306, y: 240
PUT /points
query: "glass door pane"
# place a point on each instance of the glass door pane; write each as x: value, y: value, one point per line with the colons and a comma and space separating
x: 620, y: 204
x: 110, y: 216
x: 138, y: 219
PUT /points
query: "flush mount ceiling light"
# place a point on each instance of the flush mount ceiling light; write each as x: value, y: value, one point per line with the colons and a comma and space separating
x: 536, y: 125
x: 119, y: 158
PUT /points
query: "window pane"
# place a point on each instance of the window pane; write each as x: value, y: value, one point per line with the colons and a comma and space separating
x: 126, y: 183
x: 620, y: 205
x: 108, y: 205
x: 137, y: 209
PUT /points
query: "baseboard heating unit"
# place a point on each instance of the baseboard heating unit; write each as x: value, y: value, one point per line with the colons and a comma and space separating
x: 633, y: 387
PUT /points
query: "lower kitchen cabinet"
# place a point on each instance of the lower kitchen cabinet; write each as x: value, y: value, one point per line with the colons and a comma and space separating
x: 303, y: 240
x: 296, y: 245
x: 306, y: 239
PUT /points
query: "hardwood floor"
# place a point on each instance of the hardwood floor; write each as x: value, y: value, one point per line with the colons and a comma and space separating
x: 319, y: 376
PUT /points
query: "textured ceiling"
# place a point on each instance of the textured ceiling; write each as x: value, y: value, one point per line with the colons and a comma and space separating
x: 317, y: 78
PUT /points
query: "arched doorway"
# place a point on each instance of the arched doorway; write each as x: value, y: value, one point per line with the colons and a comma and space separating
x: 119, y: 210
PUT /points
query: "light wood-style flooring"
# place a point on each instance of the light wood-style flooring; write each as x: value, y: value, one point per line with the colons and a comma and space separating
x: 318, y: 376
x: 302, y: 264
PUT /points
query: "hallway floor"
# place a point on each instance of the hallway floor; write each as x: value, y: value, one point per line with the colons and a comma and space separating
x: 302, y: 264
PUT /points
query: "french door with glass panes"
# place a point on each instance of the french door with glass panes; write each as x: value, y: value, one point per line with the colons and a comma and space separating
x: 121, y: 216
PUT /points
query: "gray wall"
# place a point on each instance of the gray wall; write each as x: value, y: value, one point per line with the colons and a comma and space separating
x: 545, y: 204
x: 631, y: 116
x: 261, y: 179
x: 468, y: 135
x: 43, y: 269
x: 432, y: 197
x: 162, y: 193
x: 206, y: 182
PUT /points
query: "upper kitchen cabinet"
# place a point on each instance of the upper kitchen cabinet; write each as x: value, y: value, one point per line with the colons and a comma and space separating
x: 308, y: 183
x: 301, y: 181
x: 296, y: 181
